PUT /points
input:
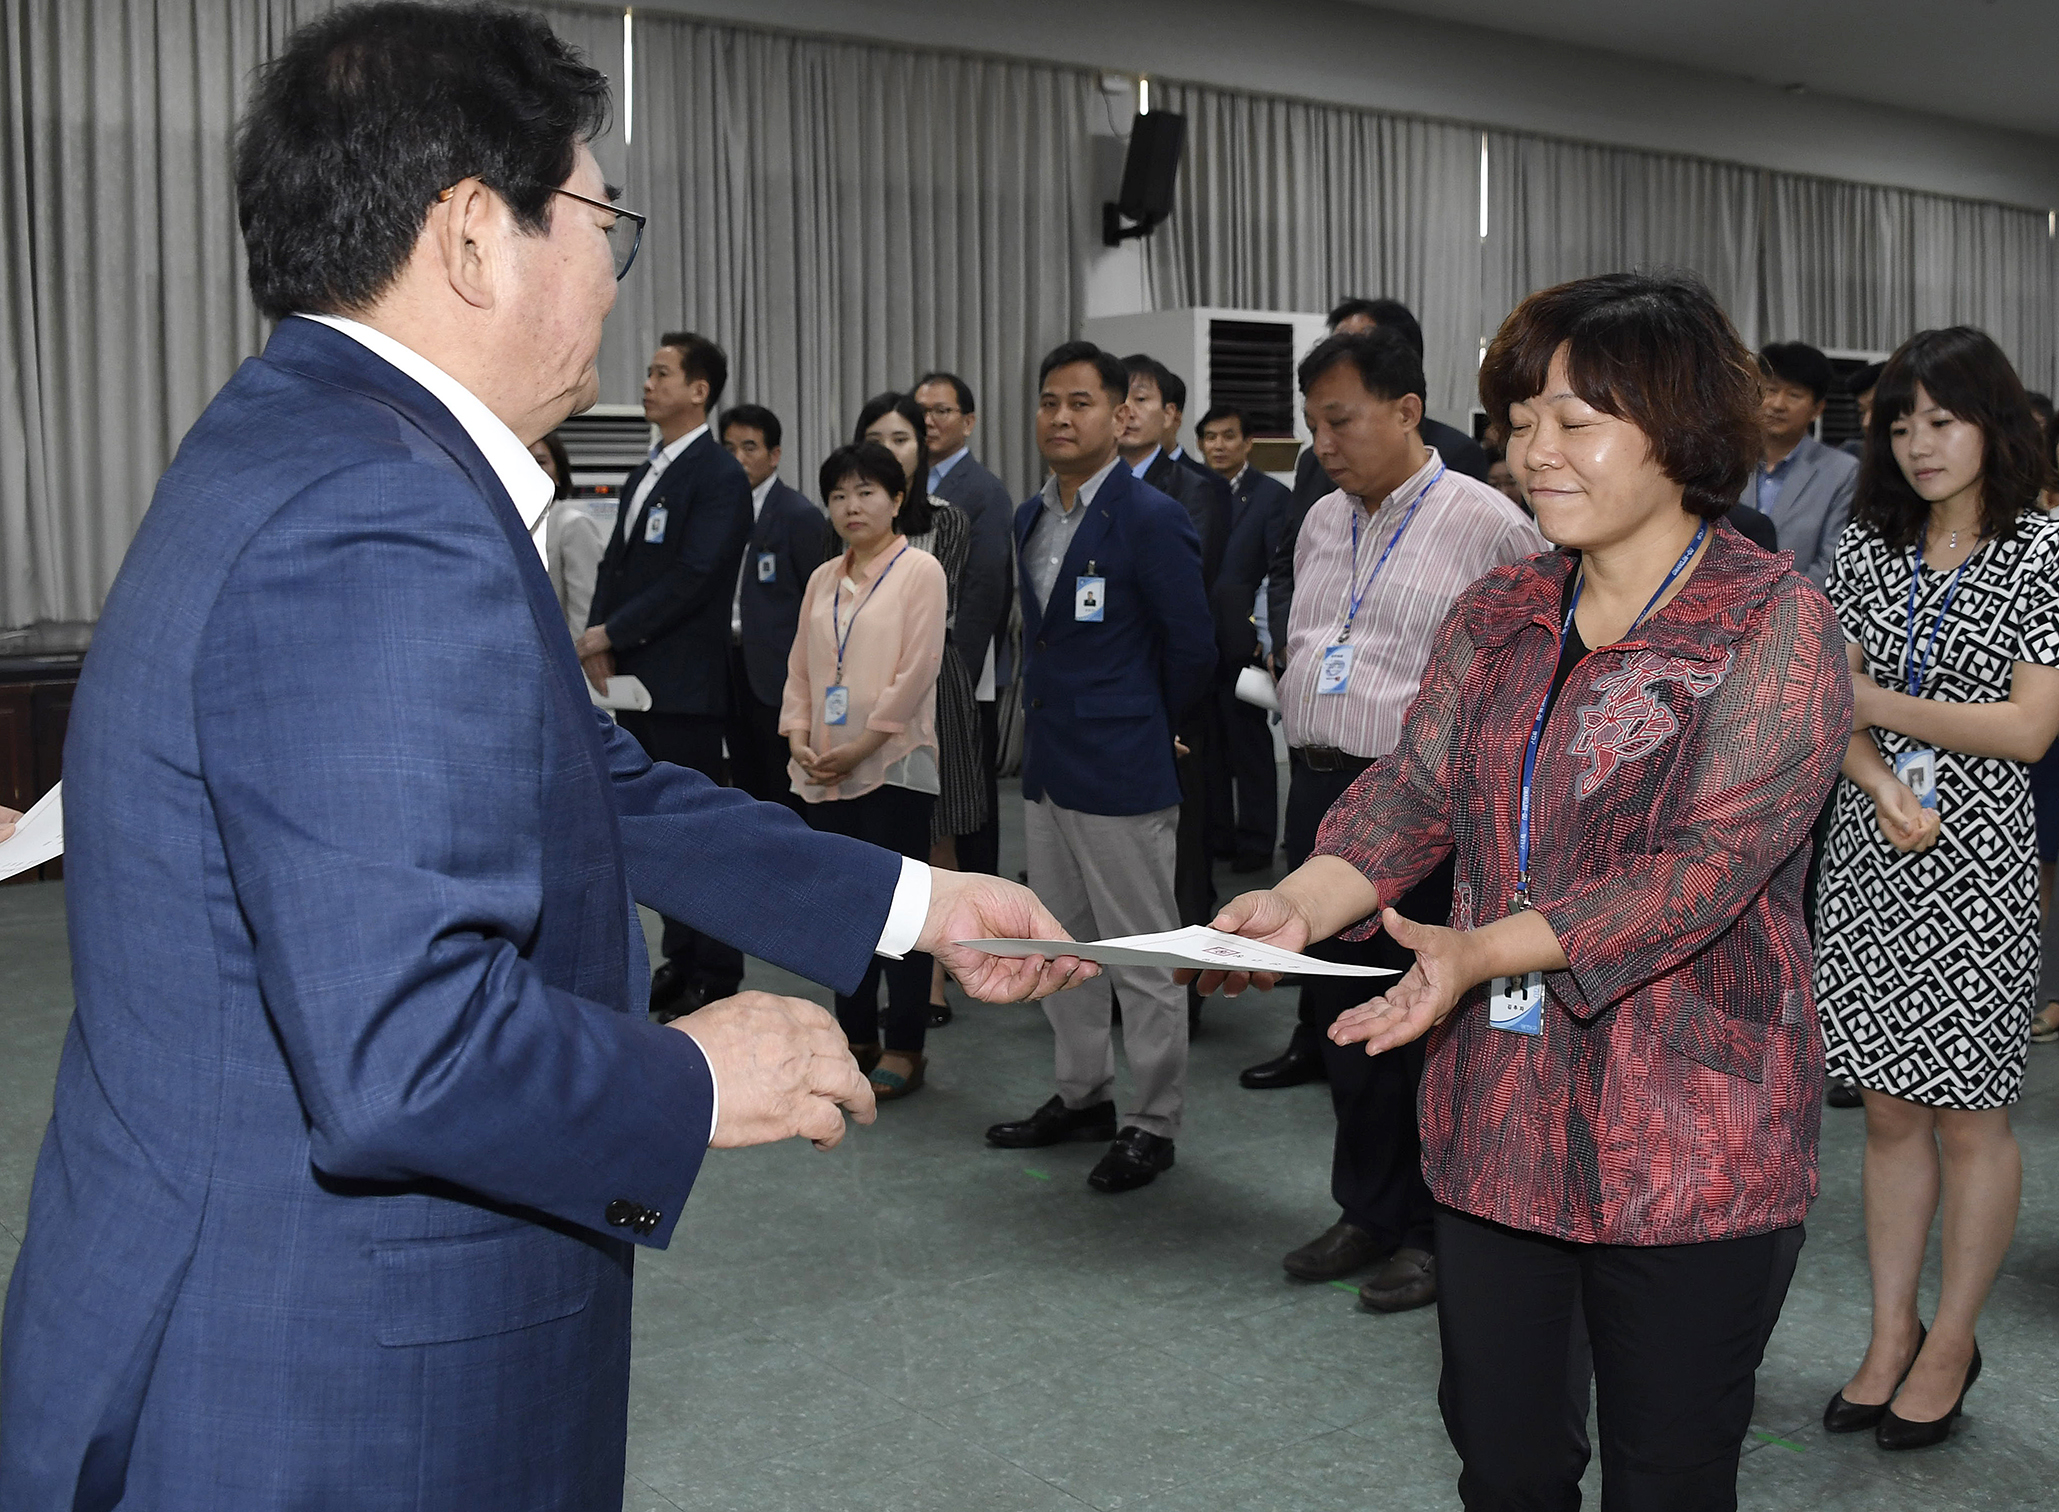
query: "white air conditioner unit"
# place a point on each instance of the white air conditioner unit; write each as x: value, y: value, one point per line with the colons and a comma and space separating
x: 604, y: 445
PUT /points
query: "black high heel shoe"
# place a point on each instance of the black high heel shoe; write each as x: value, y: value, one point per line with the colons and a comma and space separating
x: 1841, y: 1416
x: 1899, y: 1433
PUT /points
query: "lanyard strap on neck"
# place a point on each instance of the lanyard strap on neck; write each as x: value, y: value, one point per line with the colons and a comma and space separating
x: 1358, y: 594
x: 842, y: 632
x: 1522, y: 898
x: 1912, y: 670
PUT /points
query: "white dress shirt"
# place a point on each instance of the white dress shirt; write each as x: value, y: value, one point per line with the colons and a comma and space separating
x: 662, y: 457
x: 736, y: 600
x: 529, y: 487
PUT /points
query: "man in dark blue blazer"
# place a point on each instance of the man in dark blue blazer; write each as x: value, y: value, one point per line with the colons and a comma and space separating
x: 1248, y: 798
x: 1117, y: 646
x: 662, y: 602
x: 789, y: 540
x: 358, y: 1122
x: 986, y: 588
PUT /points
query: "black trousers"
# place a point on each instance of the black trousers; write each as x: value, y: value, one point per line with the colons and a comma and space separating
x: 1247, y: 799
x: 758, y: 753
x: 980, y: 851
x: 1376, y: 1165
x: 1676, y: 1331
x: 898, y: 820
x: 690, y: 740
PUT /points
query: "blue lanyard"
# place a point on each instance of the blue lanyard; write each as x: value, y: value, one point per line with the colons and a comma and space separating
x: 1912, y: 671
x: 841, y: 631
x: 1359, y: 597
x: 1522, y: 898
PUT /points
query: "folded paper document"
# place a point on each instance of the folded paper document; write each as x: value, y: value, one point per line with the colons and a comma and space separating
x: 1197, y: 947
x: 623, y: 693
x: 38, y: 836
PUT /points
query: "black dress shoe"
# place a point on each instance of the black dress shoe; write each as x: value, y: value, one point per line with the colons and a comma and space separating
x: 1408, y: 1279
x: 668, y: 986
x: 1302, y: 1062
x: 1899, y: 1433
x: 1134, y: 1160
x: 1338, y: 1251
x: 1840, y: 1416
x: 1843, y: 1094
x: 1055, y: 1123
x: 939, y: 1015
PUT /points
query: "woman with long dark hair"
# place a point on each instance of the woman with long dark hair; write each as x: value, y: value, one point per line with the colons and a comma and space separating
x: 897, y: 422
x: 1947, y: 585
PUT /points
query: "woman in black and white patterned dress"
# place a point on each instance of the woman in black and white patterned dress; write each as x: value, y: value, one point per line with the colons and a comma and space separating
x: 1947, y: 585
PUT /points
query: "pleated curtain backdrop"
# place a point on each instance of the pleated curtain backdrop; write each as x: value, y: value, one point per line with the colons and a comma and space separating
x: 842, y: 216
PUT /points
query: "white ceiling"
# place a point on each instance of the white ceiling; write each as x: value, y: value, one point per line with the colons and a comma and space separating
x: 1995, y: 62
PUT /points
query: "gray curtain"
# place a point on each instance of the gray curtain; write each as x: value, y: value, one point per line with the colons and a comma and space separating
x: 1285, y: 205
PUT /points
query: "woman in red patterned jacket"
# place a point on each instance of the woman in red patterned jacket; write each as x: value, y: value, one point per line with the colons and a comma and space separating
x: 1624, y: 1077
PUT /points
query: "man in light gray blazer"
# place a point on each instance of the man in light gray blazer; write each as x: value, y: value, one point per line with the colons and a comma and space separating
x: 1803, y: 486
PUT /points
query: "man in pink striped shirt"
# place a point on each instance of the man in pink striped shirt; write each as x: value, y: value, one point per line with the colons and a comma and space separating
x: 1377, y: 565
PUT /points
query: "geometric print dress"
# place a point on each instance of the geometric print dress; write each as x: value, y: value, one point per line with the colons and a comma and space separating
x: 1927, y: 963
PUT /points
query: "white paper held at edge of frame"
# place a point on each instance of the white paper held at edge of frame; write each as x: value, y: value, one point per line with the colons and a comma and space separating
x: 38, y: 836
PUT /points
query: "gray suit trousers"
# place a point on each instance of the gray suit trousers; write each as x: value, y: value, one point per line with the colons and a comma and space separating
x: 1102, y: 876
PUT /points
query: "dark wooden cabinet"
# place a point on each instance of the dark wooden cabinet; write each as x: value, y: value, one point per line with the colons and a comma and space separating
x: 35, y: 709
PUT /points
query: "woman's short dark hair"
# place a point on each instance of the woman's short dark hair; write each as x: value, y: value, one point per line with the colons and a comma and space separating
x: 1962, y: 370
x: 1653, y: 349
x: 371, y: 112
x: 866, y: 460
x: 560, y: 463
x: 917, y: 512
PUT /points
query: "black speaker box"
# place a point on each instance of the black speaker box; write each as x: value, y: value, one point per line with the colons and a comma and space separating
x: 1150, y: 167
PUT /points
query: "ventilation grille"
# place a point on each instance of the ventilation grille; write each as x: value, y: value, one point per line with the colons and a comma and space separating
x: 604, y: 444
x: 1251, y: 365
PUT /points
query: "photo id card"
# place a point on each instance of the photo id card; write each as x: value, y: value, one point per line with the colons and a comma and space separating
x: 654, y: 526
x: 1918, y: 770
x: 836, y: 705
x: 1517, y: 1008
x: 1335, y: 671
x: 1089, y: 599
x: 768, y: 567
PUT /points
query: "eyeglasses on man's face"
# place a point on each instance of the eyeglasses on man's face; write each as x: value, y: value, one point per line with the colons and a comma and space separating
x: 624, y: 228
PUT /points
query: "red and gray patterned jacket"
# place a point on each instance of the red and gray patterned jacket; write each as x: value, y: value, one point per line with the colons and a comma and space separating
x: 1674, y: 1094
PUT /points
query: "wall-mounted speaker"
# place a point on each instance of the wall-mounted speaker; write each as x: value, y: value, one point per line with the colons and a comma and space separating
x: 1149, y: 170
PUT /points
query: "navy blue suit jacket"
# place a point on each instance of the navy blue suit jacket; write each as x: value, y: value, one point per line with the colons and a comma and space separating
x: 666, y: 605
x: 1261, y: 511
x: 359, y: 1115
x: 1101, y: 700
x: 987, y: 581
x: 793, y: 533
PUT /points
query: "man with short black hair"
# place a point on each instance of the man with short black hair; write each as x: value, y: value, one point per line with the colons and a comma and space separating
x: 1245, y: 802
x: 1116, y: 644
x: 789, y: 540
x: 1804, y: 487
x: 986, y: 587
x: 1381, y: 561
x: 661, y: 613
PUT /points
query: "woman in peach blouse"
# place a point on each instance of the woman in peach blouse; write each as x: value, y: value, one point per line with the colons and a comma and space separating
x: 860, y: 718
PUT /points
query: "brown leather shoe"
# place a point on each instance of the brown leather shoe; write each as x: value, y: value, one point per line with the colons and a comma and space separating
x: 888, y: 1085
x: 1408, y: 1279
x: 1334, y: 1254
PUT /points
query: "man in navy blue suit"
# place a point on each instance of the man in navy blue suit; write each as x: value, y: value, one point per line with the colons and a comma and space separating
x: 661, y: 613
x: 359, y: 1121
x: 1247, y: 803
x: 1117, y: 647
x: 789, y: 540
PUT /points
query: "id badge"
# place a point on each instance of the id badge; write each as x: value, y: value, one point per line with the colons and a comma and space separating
x: 836, y: 705
x: 1335, y: 671
x: 654, y: 526
x: 1089, y: 599
x: 1918, y: 771
x: 1517, y: 1009
x: 768, y: 567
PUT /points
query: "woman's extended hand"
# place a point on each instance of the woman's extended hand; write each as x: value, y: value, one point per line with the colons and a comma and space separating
x: 1903, y: 819
x: 1443, y: 973
x: 1268, y: 916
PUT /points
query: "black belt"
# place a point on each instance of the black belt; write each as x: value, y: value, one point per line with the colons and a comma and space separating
x: 1330, y: 759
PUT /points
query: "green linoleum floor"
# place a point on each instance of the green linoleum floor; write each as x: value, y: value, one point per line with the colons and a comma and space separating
x: 916, y: 1321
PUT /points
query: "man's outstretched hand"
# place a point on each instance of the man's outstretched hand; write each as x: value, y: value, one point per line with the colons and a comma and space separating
x: 971, y: 906
x: 782, y: 1070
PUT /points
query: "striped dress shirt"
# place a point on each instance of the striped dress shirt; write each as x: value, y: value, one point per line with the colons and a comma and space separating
x: 1462, y: 529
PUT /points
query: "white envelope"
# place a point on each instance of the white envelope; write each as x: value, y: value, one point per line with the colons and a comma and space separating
x: 1196, y: 947
x: 38, y: 836
x: 623, y: 693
